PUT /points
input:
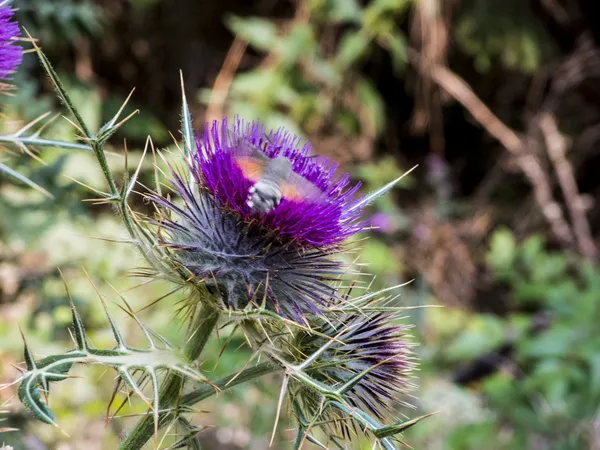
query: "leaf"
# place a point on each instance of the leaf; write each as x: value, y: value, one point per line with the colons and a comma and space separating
x: 398, y: 428
x: 187, y: 129
x: 353, y: 45
x: 502, y: 252
x: 531, y: 249
x: 344, y: 11
x: 260, y: 33
x: 396, y: 45
x: 7, y: 170
x: 30, y: 396
x: 371, y: 104
x: 482, y: 335
x: 558, y: 341
x: 298, y: 42
x: 51, y: 369
x: 549, y: 267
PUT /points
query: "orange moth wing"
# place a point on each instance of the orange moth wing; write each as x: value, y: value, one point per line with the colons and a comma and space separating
x: 288, y: 191
x: 250, y: 167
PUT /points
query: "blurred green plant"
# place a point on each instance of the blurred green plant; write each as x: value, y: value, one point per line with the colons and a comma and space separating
x: 307, y: 80
x: 507, y: 32
x: 549, y: 390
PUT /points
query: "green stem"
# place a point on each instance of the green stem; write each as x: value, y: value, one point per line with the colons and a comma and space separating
x: 205, y: 391
x: 101, y: 157
x: 171, y: 387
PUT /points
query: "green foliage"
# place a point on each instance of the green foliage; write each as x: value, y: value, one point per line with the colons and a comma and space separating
x: 60, y: 21
x: 553, y: 390
x: 504, y: 31
x: 303, y: 83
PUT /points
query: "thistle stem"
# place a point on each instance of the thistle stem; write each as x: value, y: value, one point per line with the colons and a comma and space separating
x: 170, y: 391
x: 205, y: 391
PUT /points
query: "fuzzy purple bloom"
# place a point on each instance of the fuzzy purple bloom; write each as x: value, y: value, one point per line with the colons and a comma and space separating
x: 322, y: 222
x: 242, y: 263
x: 10, y: 53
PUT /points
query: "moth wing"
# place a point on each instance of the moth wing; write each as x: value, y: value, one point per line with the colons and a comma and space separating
x: 252, y: 168
x: 248, y: 157
x: 299, y: 188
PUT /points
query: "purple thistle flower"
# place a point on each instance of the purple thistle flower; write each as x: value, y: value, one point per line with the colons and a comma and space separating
x: 10, y: 53
x: 371, y: 341
x: 322, y: 220
x: 241, y: 261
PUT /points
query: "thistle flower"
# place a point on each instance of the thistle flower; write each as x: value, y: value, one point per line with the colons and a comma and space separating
x: 324, y: 219
x: 277, y: 260
x: 371, y: 344
x: 10, y: 53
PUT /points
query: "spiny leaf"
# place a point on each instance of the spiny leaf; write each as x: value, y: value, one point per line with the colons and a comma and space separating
x: 391, y: 430
x: 77, y: 322
x: 29, y: 359
x: 52, y: 369
x: 111, y: 127
x: 379, y: 192
x: 113, y: 326
x: 30, y: 396
x: 187, y: 130
x: 60, y: 89
x: 188, y: 440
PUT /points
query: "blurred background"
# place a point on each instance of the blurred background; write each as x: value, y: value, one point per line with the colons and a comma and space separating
x: 496, y: 100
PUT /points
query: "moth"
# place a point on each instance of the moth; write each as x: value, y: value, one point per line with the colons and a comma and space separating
x: 274, y: 178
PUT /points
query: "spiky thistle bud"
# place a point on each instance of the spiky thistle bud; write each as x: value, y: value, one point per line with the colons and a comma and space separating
x: 259, y: 221
x: 11, y: 54
x: 369, y: 353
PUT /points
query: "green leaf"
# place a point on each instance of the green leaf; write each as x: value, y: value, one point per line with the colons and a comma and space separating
x: 558, y: 341
x: 353, y: 45
x: 392, y: 430
x: 260, y: 33
x: 549, y: 267
x: 7, y: 170
x: 187, y: 129
x: 371, y: 104
x: 297, y: 43
x: 396, y: 45
x: 344, y: 11
x: 502, y: 252
x: 531, y: 249
x: 483, y: 334
x: 30, y: 396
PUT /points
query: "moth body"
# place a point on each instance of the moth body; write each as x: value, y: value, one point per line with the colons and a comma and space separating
x: 273, y: 178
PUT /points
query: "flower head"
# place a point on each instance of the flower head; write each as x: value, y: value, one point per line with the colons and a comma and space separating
x: 369, y: 343
x: 316, y: 206
x: 10, y: 53
x: 247, y: 264
x: 248, y: 240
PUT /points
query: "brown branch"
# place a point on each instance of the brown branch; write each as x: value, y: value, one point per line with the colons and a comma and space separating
x: 556, y: 146
x: 520, y: 148
x: 222, y: 83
